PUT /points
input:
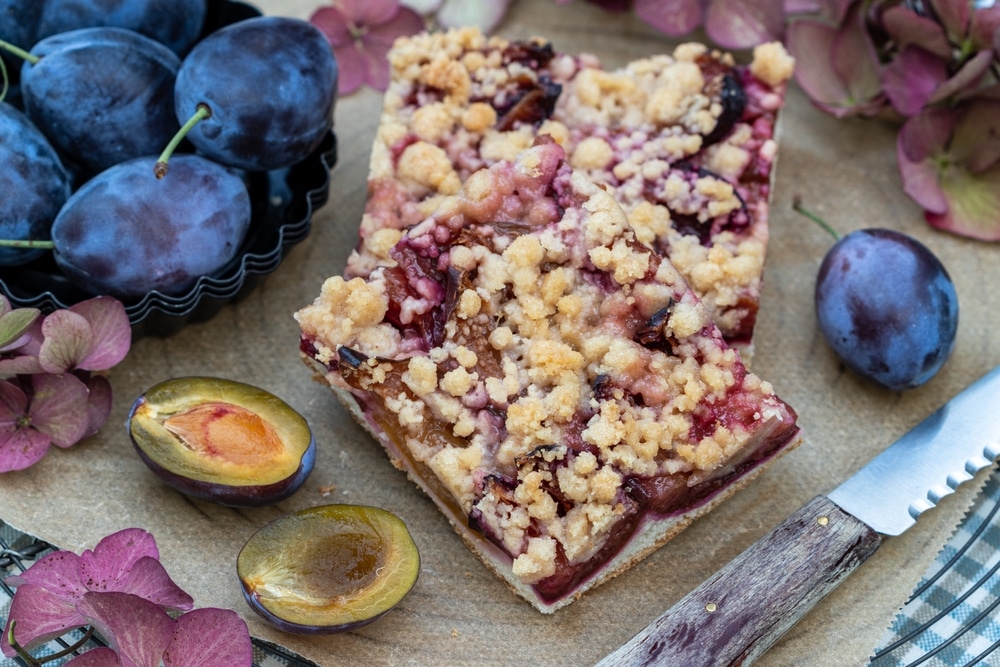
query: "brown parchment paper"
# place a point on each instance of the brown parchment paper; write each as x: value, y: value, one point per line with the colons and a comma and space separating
x: 458, y: 613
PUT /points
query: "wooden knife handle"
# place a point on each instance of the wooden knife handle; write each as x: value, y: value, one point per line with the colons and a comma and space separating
x: 742, y: 610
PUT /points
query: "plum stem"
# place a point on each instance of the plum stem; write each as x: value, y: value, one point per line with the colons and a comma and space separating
x: 797, y: 205
x: 202, y: 111
x: 19, y: 52
x: 22, y: 243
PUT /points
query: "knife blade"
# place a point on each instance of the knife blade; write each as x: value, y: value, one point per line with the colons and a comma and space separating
x: 738, y: 613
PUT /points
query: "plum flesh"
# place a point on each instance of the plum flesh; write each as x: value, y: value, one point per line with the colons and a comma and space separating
x: 222, y: 441
x: 328, y: 569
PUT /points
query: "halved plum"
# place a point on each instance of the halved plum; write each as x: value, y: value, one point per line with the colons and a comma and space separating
x: 328, y: 569
x: 222, y: 441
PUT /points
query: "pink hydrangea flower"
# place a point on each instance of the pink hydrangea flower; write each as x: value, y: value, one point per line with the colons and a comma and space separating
x: 361, y: 32
x: 121, y: 589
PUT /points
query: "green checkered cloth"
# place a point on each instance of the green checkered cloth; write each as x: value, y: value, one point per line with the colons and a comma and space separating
x: 953, y: 616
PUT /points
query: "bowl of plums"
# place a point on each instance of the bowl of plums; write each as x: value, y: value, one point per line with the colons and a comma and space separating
x: 165, y: 153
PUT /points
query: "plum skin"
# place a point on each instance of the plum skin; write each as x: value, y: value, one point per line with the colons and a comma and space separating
x: 126, y: 233
x: 270, y: 83
x: 887, y: 307
x: 328, y: 569
x: 176, y: 24
x: 222, y: 477
x: 102, y: 95
x: 34, y: 182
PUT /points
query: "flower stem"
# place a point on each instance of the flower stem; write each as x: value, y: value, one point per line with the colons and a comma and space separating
x: 797, y: 205
x: 19, y: 52
x: 21, y: 651
x: 202, y: 112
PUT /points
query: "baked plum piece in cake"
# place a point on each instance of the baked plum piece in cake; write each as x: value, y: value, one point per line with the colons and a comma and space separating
x: 684, y: 142
x: 551, y: 382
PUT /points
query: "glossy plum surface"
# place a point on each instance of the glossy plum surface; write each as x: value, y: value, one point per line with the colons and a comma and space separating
x: 328, y: 569
x: 222, y: 441
x: 270, y: 84
x: 126, y: 233
x: 102, y: 95
x: 887, y: 307
x: 176, y: 24
x: 33, y: 182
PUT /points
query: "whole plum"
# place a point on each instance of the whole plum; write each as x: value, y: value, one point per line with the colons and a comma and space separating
x: 101, y: 95
x: 887, y: 307
x: 34, y: 182
x: 269, y: 85
x: 176, y: 24
x: 126, y: 233
x: 18, y: 26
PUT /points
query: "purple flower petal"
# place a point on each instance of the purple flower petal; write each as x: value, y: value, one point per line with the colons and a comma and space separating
x: 742, y: 24
x: 353, y: 65
x: 209, y: 638
x: 39, y: 617
x: 985, y: 23
x: 68, y: 338
x: 57, y: 573
x: 909, y: 28
x: 14, y: 326
x: 369, y: 13
x: 484, y: 15
x: 109, y: 562
x: 973, y: 203
x: 975, y: 142
x: 966, y: 80
x: 99, y: 403
x: 148, y: 579
x: 920, y: 141
x: 332, y: 23
x: 911, y: 78
x: 137, y: 629
x: 672, y: 17
x: 59, y: 408
x: 112, y: 332
x: 815, y: 46
x: 102, y: 656
x: 23, y: 364
x: 954, y: 15
x: 20, y: 445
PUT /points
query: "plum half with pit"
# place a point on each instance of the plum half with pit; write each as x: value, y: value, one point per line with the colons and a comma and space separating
x: 126, y: 233
x: 328, y: 569
x: 260, y: 92
x: 222, y: 441
x: 887, y: 307
x: 34, y: 184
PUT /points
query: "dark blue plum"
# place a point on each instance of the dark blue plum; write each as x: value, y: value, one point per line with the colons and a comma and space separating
x: 887, y: 307
x: 33, y: 182
x: 18, y: 26
x: 270, y: 84
x: 102, y: 95
x: 126, y: 233
x: 176, y: 24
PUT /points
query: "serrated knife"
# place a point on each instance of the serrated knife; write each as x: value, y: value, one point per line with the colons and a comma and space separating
x: 741, y: 611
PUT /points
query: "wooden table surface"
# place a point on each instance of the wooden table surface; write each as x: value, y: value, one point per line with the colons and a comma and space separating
x: 458, y: 613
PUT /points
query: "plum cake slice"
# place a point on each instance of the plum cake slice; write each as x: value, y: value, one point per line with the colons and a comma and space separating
x: 549, y: 380
x: 684, y: 142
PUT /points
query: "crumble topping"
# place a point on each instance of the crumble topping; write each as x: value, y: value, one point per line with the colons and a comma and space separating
x: 553, y: 372
x: 682, y: 141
